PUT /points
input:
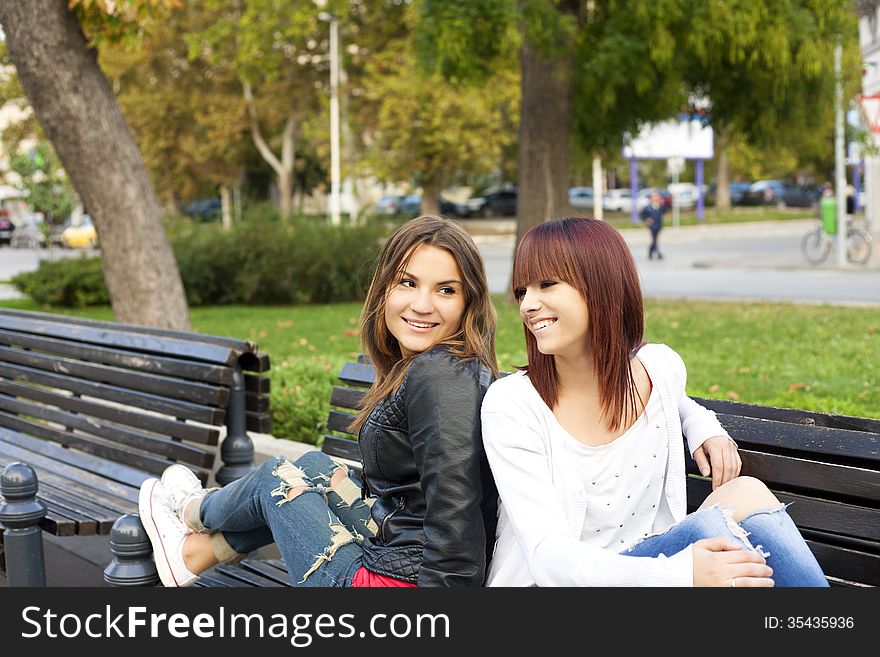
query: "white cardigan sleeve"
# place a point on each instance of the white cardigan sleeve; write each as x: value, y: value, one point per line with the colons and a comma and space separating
x: 534, y: 504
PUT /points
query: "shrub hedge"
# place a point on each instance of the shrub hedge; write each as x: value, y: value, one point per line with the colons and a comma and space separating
x: 259, y: 262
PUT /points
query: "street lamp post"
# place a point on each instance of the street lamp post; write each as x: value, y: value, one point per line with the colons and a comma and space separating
x: 334, y: 115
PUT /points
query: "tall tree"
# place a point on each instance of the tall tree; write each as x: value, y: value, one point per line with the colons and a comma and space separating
x: 767, y: 68
x: 189, y: 117
x: 79, y: 114
x: 423, y: 129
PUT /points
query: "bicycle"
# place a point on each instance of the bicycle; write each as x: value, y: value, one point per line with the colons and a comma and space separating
x: 817, y: 244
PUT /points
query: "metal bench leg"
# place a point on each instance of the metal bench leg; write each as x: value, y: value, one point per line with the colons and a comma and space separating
x: 237, y: 450
x: 132, y: 563
x: 21, y: 514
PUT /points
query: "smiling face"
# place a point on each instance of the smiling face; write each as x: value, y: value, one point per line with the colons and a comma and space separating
x: 557, y: 315
x: 426, y: 303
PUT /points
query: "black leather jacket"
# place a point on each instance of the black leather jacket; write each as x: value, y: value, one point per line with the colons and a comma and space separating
x: 423, y: 458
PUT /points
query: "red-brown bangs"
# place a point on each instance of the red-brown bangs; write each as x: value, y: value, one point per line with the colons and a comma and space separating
x: 546, y: 252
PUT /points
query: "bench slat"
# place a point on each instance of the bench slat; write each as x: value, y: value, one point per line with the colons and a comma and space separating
x: 166, y: 386
x: 169, y: 449
x: 52, y: 440
x: 259, y: 422
x: 848, y: 565
x: 357, y: 374
x: 811, y: 477
x: 98, y: 488
x: 85, y: 525
x: 157, y: 424
x: 47, y: 451
x: 175, y: 408
x: 346, y: 398
x: 341, y: 447
x: 86, y: 494
x: 184, y: 369
x: 120, y: 336
x: 791, y: 415
x: 339, y: 421
x: 260, y: 385
x: 840, y: 445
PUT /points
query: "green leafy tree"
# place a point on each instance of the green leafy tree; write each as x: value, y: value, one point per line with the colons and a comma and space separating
x: 426, y: 130
x: 43, y: 179
x: 59, y: 73
x: 767, y: 68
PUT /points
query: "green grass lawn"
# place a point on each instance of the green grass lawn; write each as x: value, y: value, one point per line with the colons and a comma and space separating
x: 822, y: 358
x: 714, y: 216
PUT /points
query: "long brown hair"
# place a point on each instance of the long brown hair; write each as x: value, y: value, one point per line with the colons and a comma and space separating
x: 592, y: 257
x: 476, y: 335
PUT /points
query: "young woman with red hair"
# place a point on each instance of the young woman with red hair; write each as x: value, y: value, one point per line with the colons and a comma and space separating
x: 585, y: 442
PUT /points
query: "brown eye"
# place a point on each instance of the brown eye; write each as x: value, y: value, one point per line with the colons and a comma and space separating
x: 519, y: 293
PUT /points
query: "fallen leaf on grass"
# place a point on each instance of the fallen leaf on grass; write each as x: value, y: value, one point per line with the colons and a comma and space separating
x: 732, y: 395
x: 714, y: 388
x: 798, y: 386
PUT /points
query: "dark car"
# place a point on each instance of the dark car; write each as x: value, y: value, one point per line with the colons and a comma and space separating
x: 205, y: 208
x: 780, y: 193
x: 496, y: 203
x: 737, y: 189
x: 6, y: 230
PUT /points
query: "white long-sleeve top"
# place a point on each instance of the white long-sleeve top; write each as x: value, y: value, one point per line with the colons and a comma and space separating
x: 543, y: 501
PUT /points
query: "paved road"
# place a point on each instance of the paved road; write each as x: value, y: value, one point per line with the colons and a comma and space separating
x: 745, y: 261
x: 748, y: 261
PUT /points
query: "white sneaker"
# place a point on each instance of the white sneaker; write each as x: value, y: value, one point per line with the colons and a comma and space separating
x: 181, y: 486
x: 167, y: 534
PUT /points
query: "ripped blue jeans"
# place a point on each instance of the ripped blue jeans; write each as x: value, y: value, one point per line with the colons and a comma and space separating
x: 318, y: 532
x: 772, y: 532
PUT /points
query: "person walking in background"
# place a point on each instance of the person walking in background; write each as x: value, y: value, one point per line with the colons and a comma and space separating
x: 652, y: 214
x: 428, y: 325
x: 586, y: 442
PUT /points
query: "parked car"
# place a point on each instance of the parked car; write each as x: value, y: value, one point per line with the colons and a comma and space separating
x: 410, y: 205
x: 30, y: 233
x: 494, y: 203
x: 581, y: 198
x: 387, y: 204
x: 7, y: 228
x: 781, y: 193
x: 617, y: 200
x: 736, y: 189
x: 203, y: 208
x: 81, y: 235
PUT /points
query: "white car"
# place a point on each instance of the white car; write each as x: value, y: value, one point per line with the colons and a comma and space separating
x: 581, y: 198
x: 617, y: 200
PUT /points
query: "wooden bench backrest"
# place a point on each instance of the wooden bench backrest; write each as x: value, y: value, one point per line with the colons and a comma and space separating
x: 827, y: 467
x: 137, y: 396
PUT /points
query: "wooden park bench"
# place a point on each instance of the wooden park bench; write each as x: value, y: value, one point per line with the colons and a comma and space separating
x: 94, y: 408
x: 827, y: 466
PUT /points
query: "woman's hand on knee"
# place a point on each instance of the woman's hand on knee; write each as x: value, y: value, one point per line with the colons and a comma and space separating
x: 723, y: 562
x: 720, y: 456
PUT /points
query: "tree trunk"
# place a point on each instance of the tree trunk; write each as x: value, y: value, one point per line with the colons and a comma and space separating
x: 80, y: 116
x: 285, y: 192
x: 722, y: 188
x: 283, y: 168
x: 597, y: 188
x: 544, y: 138
x: 225, y: 207
x: 431, y: 197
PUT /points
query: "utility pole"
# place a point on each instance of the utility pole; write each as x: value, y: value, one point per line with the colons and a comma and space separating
x: 334, y: 115
x: 839, y: 170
